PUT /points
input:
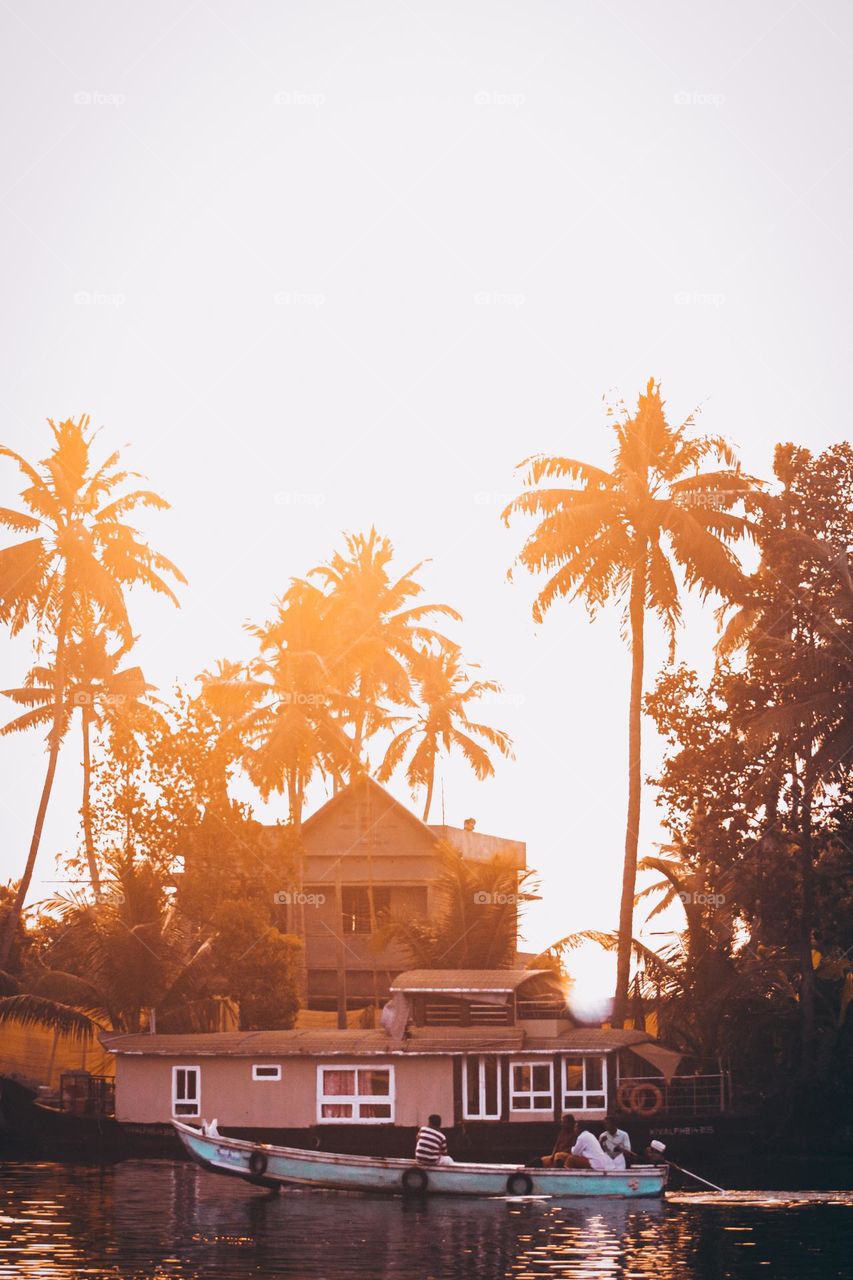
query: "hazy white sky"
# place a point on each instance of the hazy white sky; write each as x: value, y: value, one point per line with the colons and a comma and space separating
x: 325, y: 264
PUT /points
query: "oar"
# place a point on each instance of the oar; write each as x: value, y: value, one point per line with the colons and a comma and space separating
x: 673, y: 1165
x: 704, y: 1181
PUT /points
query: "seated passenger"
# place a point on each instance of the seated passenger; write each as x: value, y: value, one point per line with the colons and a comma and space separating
x: 587, y: 1152
x: 431, y: 1144
x: 562, y: 1144
x: 615, y: 1143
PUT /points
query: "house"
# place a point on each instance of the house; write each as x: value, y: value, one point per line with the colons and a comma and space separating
x: 494, y: 1052
x: 361, y: 838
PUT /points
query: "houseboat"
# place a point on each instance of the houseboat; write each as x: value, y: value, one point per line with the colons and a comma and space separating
x: 496, y: 1053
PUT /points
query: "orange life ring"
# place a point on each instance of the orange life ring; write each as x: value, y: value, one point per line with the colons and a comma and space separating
x: 624, y: 1096
x: 654, y: 1103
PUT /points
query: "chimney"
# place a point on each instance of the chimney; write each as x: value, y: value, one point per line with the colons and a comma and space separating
x: 469, y: 824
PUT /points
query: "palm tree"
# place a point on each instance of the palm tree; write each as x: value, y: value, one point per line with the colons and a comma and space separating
x: 439, y: 721
x: 616, y: 534
x: 374, y: 629
x: 476, y: 925
x: 295, y: 727
x: 118, y: 964
x: 102, y: 690
x: 77, y: 559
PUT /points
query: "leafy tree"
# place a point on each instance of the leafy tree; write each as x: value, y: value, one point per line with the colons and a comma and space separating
x: 78, y: 557
x: 256, y: 965
x: 622, y: 534
x: 438, y: 721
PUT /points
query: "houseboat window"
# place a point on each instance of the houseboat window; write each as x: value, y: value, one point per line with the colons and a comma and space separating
x: 186, y: 1091
x: 355, y: 906
x: 265, y: 1071
x: 481, y: 1086
x: 531, y: 1086
x: 584, y: 1083
x: 355, y: 1095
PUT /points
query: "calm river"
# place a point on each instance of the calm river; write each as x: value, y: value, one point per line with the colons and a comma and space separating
x: 145, y: 1219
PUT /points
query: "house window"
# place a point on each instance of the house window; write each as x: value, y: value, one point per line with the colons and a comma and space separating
x: 481, y: 1087
x: 585, y: 1083
x: 355, y: 1095
x: 355, y: 907
x: 531, y: 1086
x: 186, y: 1091
x: 266, y: 1071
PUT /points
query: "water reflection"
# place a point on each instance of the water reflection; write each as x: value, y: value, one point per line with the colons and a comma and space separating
x: 146, y: 1219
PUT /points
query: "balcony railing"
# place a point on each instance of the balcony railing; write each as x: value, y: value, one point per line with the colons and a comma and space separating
x: 706, y: 1095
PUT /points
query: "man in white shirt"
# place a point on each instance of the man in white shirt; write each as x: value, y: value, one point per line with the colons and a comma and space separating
x: 615, y: 1143
x: 587, y: 1152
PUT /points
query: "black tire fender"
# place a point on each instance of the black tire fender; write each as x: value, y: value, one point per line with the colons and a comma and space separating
x: 415, y: 1181
x: 519, y: 1184
x: 258, y: 1163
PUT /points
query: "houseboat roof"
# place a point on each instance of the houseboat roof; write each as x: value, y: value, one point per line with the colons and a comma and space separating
x: 463, y: 981
x: 313, y: 1043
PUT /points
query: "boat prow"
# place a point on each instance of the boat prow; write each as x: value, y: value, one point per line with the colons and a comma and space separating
x: 267, y: 1165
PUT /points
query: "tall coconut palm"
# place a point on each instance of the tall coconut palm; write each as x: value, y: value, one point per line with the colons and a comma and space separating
x: 374, y: 629
x: 78, y: 557
x: 101, y: 690
x: 621, y: 534
x: 296, y: 727
x: 442, y: 694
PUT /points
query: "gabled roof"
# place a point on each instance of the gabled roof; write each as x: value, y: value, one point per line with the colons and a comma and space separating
x: 462, y: 981
x: 366, y: 783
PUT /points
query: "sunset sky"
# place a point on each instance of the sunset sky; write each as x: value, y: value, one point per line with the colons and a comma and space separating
x: 321, y: 266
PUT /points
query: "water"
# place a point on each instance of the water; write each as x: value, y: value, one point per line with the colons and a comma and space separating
x: 144, y: 1219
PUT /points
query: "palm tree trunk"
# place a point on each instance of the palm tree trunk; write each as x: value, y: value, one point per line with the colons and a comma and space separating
x: 14, y: 916
x: 430, y: 786
x: 807, y: 982
x: 86, y: 807
x: 636, y: 610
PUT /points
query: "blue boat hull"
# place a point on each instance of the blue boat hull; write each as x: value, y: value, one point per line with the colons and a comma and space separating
x: 261, y: 1163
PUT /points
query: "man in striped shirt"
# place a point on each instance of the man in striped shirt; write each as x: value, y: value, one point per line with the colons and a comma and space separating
x: 431, y: 1144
